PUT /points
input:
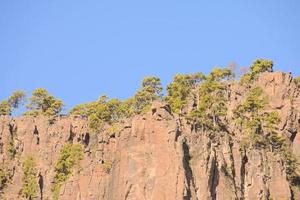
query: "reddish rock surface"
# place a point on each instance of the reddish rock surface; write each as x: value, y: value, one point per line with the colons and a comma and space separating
x: 158, y: 155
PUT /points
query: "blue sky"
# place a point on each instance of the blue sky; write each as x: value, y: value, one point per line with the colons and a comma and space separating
x: 81, y: 49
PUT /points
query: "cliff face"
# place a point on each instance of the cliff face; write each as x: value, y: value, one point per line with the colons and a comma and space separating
x: 158, y: 155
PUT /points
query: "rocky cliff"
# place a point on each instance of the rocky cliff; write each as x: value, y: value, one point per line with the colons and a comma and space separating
x: 158, y: 155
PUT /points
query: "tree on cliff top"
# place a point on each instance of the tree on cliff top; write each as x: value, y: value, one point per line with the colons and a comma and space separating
x: 262, y: 65
x: 13, y: 102
x: 150, y: 90
x: 41, y: 102
x: 212, y: 98
x: 258, y: 66
x: 106, y: 110
x: 180, y: 88
x: 17, y: 98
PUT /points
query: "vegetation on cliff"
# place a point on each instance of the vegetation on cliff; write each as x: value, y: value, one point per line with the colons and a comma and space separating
x: 258, y: 66
x: 5, y: 175
x: 29, y: 178
x: 179, y: 90
x: 43, y: 103
x: 201, y: 99
x: 212, y: 98
x: 40, y: 103
x: 259, y: 128
x: 105, y: 110
x: 13, y: 102
x: 69, y: 158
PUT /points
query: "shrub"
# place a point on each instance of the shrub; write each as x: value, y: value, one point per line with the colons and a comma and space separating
x: 271, y: 120
x: 261, y: 130
x: 5, y: 108
x: 291, y: 163
x: 5, y: 175
x: 113, y: 129
x: 29, y: 179
x: 69, y: 157
x: 254, y: 102
x: 251, y: 115
x: 107, y: 166
x: 11, y: 148
x: 280, y: 145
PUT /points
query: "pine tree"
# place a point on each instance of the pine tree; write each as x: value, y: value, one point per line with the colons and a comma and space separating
x: 41, y: 102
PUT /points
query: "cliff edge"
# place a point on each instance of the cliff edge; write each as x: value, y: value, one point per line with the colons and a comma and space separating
x: 158, y: 155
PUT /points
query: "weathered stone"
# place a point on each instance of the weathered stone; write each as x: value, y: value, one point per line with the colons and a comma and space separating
x: 158, y: 155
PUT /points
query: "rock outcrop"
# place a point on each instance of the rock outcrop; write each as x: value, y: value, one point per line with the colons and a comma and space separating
x: 158, y: 155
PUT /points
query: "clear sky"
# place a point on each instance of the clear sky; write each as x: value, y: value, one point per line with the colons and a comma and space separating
x: 80, y: 49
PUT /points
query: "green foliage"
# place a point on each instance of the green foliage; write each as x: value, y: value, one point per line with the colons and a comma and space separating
x: 212, y: 98
x: 107, y: 166
x: 29, y: 178
x: 271, y: 119
x: 80, y: 109
x: 5, y: 175
x: 291, y: 164
x: 247, y: 78
x: 150, y: 90
x: 112, y: 110
x: 69, y: 157
x: 280, y: 145
x: 253, y: 118
x: 261, y: 65
x: 113, y: 129
x: 5, y: 108
x: 180, y: 88
x: 258, y: 66
x: 152, y: 85
x: 218, y: 74
x: 13, y: 102
x: 255, y: 101
x: 17, y: 98
x: 253, y: 104
x: 11, y: 148
x: 261, y: 129
x: 276, y: 141
x: 106, y: 110
x: 41, y: 102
